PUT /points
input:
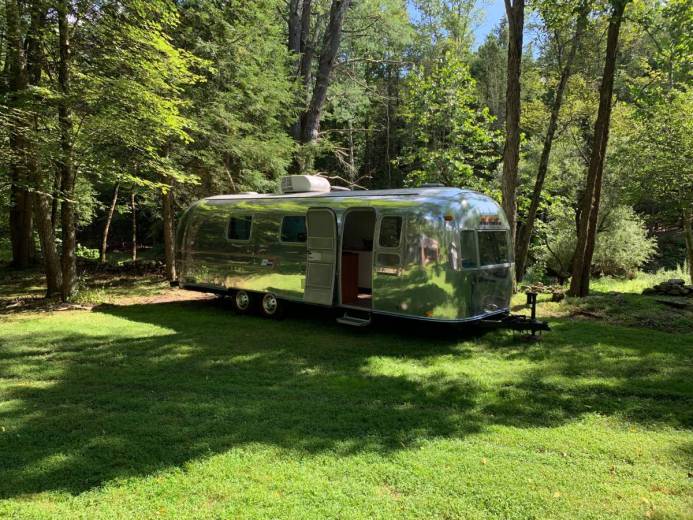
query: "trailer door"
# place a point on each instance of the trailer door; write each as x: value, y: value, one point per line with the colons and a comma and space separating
x: 321, y: 225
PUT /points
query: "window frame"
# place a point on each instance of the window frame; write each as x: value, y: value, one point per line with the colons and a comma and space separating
x: 281, y: 226
x: 508, y: 249
x: 394, y: 251
x: 240, y: 216
x: 399, y: 238
x: 475, y: 238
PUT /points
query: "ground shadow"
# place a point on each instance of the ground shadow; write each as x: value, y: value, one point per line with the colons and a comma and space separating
x: 208, y: 380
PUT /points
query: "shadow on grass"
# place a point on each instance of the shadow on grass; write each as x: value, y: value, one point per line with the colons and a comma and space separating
x: 209, y: 381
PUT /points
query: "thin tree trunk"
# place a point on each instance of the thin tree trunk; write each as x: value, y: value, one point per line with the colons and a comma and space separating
x: 352, y: 163
x: 515, y: 10
x: 51, y: 259
x: 299, y: 44
x: 688, y: 235
x: 525, y: 231
x: 169, y: 238
x: 21, y: 200
x: 67, y: 175
x: 330, y: 47
x: 294, y: 26
x: 133, y: 209
x: 55, y: 203
x: 579, y: 284
x: 107, y: 225
x: 306, y: 48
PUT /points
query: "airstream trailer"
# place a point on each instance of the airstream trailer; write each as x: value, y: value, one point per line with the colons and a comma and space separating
x: 429, y: 253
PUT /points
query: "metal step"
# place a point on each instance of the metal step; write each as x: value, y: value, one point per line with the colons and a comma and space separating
x: 361, y: 320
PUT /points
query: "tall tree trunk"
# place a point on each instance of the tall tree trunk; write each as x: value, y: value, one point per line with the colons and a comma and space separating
x: 24, y: 72
x: 306, y: 48
x: 294, y: 26
x: 51, y: 259
x: 107, y: 225
x: 515, y: 10
x: 300, y: 12
x: 169, y: 233
x: 67, y: 175
x: 133, y: 209
x: 579, y: 284
x: 330, y: 47
x: 688, y: 236
x: 21, y: 200
x: 526, y: 229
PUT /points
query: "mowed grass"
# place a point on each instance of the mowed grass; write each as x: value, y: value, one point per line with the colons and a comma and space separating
x: 185, y: 410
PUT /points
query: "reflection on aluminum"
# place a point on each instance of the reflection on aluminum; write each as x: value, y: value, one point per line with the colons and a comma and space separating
x: 429, y: 275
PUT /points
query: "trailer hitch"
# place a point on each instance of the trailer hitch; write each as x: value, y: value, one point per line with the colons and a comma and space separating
x: 519, y: 322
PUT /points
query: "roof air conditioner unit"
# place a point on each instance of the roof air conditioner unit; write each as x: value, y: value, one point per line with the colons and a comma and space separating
x: 304, y: 183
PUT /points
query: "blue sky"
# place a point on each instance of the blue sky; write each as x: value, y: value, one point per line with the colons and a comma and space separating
x: 493, y: 11
x: 490, y: 13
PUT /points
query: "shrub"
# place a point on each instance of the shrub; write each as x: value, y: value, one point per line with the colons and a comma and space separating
x: 622, y: 243
x: 87, y: 253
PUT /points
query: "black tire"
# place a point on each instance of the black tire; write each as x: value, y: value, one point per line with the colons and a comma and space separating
x: 272, y: 307
x: 242, y: 302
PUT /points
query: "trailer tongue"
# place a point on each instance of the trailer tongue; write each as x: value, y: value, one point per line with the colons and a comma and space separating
x: 519, y: 322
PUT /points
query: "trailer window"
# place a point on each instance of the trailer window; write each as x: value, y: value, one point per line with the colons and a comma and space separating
x: 493, y: 247
x: 293, y: 229
x: 390, y: 231
x: 239, y: 228
x: 467, y: 249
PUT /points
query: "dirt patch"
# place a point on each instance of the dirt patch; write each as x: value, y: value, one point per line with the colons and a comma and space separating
x: 173, y: 295
x: 30, y: 304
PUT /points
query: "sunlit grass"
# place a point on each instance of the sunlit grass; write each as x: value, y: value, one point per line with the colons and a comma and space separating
x: 186, y: 410
x: 639, y: 282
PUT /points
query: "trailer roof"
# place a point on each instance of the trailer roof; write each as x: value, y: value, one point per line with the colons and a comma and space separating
x: 403, y: 192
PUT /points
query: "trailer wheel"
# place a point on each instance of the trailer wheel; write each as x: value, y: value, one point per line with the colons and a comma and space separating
x: 272, y: 307
x: 242, y: 302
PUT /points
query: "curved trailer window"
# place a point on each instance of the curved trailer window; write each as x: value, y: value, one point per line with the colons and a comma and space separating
x: 493, y: 247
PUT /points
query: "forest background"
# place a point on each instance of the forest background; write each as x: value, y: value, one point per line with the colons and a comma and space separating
x: 577, y: 116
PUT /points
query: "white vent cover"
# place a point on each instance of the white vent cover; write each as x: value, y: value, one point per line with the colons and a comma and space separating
x: 304, y: 183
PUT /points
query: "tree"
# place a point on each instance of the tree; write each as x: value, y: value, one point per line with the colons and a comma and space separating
x: 579, y: 284
x: 25, y: 70
x: 449, y: 138
x: 67, y: 173
x: 310, y: 119
x: 21, y: 201
x: 525, y: 230
x: 107, y: 224
x: 489, y: 68
x: 657, y: 160
x: 515, y: 11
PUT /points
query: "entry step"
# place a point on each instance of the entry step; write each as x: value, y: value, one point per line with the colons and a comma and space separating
x: 355, y: 319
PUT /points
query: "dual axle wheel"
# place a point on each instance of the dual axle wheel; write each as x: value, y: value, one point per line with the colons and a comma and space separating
x: 270, y: 306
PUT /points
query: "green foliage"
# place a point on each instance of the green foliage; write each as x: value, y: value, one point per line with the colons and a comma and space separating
x: 656, y: 155
x: 131, y: 77
x: 447, y: 137
x: 201, y: 96
x: 622, y: 243
x: 246, y: 103
x: 87, y: 253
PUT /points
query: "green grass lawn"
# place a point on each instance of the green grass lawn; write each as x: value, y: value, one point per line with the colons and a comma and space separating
x: 183, y: 409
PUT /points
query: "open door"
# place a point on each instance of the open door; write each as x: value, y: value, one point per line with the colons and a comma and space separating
x: 321, y: 225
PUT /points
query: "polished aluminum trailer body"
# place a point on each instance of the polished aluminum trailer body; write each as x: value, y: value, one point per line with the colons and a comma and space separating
x: 438, y: 254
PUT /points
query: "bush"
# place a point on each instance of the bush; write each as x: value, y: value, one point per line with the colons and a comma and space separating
x: 622, y: 243
x: 87, y: 253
